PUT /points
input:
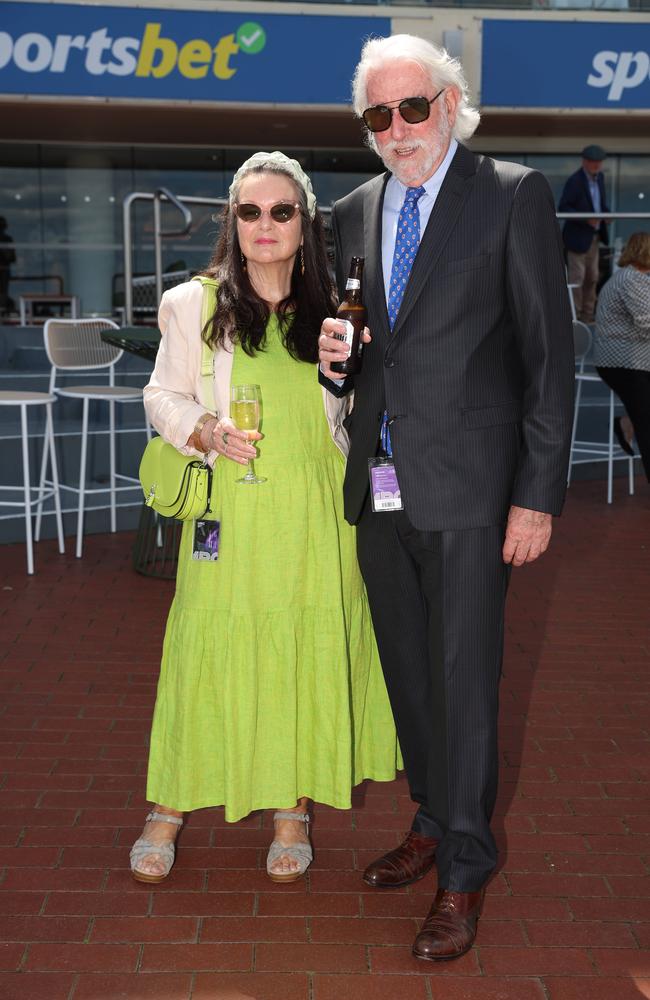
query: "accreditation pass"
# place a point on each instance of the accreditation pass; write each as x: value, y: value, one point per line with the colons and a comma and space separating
x: 384, y: 488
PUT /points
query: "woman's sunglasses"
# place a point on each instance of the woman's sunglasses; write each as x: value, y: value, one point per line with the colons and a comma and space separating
x: 284, y: 211
x: 412, y: 109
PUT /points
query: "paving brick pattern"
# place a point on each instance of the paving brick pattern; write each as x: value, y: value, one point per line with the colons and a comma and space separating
x: 567, y: 916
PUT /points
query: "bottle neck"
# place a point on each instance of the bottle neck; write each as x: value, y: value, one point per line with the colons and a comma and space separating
x: 353, y: 286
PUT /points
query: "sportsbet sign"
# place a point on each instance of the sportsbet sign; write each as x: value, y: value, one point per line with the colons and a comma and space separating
x: 71, y: 50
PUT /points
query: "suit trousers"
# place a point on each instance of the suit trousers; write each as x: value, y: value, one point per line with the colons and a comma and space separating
x: 437, y: 602
x: 583, y: 272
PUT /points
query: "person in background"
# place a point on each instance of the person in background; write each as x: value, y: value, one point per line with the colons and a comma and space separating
x: 622, y: 343
x: 7, y: 258
x: 584, y: 191
x: 466, y: 393
x: 271, y: 692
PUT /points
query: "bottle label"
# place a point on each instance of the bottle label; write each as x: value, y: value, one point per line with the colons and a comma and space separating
x: 348, y: 335
x: 352, y: 284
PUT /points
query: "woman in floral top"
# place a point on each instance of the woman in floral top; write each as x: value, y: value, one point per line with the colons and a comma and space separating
x: 622, y: 342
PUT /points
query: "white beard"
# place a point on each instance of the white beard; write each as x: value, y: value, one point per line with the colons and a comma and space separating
x: 415, y: 168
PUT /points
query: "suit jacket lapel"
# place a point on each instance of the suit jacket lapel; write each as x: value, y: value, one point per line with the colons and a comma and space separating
x: 374, y: 290
x: 450, y: 201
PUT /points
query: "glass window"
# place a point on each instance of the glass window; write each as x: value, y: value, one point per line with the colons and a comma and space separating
x: 21, y: 227
x: 633, y: 195
x: 81, y: 193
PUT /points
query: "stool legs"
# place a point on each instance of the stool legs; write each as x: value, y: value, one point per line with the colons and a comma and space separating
x: 49, y: 439
x: 595, y: 450
x: 111, y: 445
x: 82, y: 478
x: 576, y: 412
x: 27, y: 490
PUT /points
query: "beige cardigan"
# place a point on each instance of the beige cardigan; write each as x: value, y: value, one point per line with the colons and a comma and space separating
x: 176, y: 395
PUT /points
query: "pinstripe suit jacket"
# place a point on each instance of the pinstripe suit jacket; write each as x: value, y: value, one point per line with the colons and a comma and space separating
x: 477, y: 375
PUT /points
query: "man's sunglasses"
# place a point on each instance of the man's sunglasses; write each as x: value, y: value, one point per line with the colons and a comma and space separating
x: 412, y: 109
x: 284, y: 211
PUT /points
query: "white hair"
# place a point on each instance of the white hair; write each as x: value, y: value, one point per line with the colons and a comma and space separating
x: 443, y: 70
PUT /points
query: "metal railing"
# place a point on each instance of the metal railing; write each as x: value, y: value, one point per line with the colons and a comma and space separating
x: 161, y: 194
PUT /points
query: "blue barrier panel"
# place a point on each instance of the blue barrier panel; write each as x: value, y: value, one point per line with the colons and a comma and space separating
x: 61, y: 49
x: 562, y: 64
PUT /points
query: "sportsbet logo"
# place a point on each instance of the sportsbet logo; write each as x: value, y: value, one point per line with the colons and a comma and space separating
x: 153, y: 55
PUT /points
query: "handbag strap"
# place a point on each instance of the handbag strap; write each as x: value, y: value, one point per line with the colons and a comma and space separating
x: 208, y: 308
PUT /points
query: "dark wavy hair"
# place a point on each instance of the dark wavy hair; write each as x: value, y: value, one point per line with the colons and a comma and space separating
x: 241, y: 315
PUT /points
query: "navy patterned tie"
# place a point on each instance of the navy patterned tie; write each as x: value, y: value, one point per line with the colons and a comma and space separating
x: 407, y: 242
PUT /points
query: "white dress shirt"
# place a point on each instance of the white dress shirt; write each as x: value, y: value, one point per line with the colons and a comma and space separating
x: 393, y: 201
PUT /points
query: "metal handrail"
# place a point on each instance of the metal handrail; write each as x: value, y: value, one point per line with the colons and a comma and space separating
x: 603, y: 215
x: 158, y: 232
x: 161, y: 194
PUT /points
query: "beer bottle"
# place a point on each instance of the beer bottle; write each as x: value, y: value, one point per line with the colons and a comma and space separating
x: 353, y: 313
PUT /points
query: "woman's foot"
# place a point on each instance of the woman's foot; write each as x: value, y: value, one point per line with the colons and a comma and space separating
x: 152, y: 855
x: 290, y: 854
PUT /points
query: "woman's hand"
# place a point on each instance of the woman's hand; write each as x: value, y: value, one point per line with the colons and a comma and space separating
x: 223, y: 437
x: 332, y: 348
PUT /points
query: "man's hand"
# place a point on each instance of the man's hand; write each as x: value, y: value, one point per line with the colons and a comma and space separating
x: 332, y: 348
x: 528, y: 533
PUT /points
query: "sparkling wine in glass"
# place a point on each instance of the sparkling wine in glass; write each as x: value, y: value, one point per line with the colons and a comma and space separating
x: 245, y: 403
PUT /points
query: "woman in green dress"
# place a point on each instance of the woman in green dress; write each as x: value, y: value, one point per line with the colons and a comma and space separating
x: 270, y: 692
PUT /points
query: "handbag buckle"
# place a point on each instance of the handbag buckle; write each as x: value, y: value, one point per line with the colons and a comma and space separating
x: 152, y: 495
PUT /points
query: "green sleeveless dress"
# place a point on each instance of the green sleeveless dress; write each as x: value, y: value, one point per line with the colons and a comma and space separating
x: 270, y: 686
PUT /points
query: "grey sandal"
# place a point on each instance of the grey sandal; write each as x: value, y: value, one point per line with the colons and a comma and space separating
x: 302, y: 853
x: 143, y: 847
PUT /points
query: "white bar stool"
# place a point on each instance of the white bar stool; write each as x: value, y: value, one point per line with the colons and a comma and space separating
x: 76, y: 345
x: 594, y: 451
x: 23, y: 400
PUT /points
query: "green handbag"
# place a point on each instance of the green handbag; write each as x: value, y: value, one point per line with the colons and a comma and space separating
x: 177, y: 485
x: 174, y: 485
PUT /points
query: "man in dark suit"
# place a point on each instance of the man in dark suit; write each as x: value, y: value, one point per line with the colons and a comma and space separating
x: 468, y: 384
x: 584, y: 191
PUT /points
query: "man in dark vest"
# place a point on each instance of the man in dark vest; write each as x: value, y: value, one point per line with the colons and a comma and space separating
x: 584, y: 191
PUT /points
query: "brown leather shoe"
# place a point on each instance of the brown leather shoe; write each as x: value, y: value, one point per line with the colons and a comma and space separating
x: 407, y: 863
x: 450, y: 927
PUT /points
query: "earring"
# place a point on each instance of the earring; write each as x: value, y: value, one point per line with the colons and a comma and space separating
x: 243, y: 260
x: 302, y: 260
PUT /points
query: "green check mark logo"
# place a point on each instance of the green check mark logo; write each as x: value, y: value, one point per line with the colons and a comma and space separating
x: 251, y: 38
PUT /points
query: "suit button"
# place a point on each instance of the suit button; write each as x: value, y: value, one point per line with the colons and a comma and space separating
x: 389, y: 362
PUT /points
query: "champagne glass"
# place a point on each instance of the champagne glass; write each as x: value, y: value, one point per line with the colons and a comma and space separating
x: 245, y: 403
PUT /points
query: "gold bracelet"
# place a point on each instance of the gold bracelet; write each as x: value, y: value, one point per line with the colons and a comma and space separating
x: 198, y: 427
x: 201, y: 422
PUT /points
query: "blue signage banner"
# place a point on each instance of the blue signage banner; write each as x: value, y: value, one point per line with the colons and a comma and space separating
x: 90, y: 51
x: 566, y: 64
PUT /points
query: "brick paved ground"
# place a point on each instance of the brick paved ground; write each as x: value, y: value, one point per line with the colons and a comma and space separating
x: 567, y: 916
